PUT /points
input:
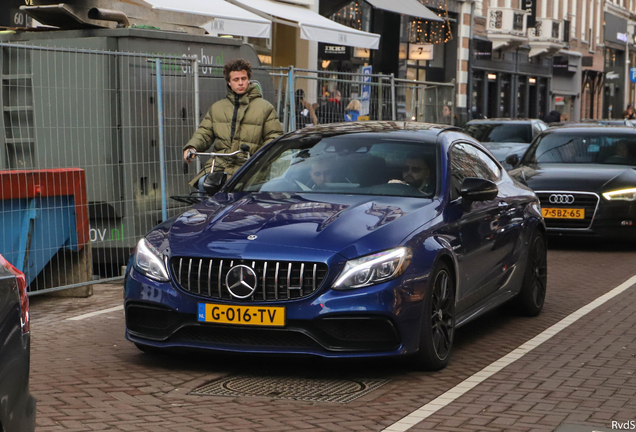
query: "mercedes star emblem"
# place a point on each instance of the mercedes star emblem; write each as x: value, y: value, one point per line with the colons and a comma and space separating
x: 241, y: 281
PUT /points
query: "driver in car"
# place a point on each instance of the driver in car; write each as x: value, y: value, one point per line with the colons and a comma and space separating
x: 416, y: 173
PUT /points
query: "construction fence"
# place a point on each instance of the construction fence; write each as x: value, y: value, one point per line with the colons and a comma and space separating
x: 91, y: 146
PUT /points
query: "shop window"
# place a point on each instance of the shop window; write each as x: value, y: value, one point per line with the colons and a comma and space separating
x: 477, y: 99
x: 610, y: 57
x: 420, y: 31
x: 356, y: 14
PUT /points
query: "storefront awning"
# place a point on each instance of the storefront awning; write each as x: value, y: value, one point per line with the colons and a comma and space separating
x: 313, y: 26
x: 406, y: 7
x: 228, y: 18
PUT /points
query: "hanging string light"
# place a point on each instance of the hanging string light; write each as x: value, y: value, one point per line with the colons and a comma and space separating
x: 431, y: 32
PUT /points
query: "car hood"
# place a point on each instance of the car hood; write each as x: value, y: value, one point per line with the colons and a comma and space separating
x: 502, y: 150
x: 258, y: 225
x: 575, y: 177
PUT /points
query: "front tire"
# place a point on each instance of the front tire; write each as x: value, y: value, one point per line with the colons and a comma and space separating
x: 438, y: 321
x: 535, y: 280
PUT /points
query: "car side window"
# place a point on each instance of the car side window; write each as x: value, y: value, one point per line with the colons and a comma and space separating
x: 468, y: 161
x: 491, y: 170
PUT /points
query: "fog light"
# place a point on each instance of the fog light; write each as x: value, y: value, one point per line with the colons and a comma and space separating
x: 626, y: 223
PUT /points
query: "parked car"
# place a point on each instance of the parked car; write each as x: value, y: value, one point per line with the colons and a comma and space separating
x: 17, y: 406
x: 585, y: 179
x: 504, y: 137
x: 333, y: 241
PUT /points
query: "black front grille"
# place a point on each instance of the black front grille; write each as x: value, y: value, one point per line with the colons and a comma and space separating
x: 276, y: 280
x: 585, y: 201
x: 360, y: 329
x: 153, y: 322
x: 244, y: 337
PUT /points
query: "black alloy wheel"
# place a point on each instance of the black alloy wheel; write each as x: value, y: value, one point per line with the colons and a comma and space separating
x: 532, y: 295
x: 438, y: 321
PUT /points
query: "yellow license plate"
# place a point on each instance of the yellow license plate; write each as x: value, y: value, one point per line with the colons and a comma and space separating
x: 563, y: 213
x: 243, y: 315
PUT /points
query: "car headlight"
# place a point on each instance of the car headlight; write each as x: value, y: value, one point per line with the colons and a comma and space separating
x: 373, y: 269
x: 621, y: 195
x: 150, y: 262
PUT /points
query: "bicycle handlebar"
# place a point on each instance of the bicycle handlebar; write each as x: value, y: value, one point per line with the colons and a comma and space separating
x: 244, y: 148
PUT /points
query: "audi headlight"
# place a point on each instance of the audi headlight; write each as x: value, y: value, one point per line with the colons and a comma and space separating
x: 373, y: 269
x: 621, y: 195
x: 150, y: 262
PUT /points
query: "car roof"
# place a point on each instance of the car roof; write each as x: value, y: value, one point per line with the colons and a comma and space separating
x: 419, y: 130
x: 502, y: 120
x: 566, y: 128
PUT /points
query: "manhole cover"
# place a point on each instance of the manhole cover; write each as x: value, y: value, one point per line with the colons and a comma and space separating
x: 305, y: 389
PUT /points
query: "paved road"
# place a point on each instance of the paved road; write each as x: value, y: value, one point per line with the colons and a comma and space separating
x: 86, y: 376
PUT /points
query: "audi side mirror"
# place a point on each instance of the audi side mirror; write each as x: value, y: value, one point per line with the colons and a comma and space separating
x: 512, y: 160
x: 214, y: 182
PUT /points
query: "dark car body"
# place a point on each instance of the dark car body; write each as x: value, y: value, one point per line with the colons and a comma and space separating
x: 302, y: 242
x: 17, y: 406
x: 605, y: 122
x: 576, y: 168
x: 504, y: 137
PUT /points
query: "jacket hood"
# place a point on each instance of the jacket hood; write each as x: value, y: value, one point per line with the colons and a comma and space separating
x: 250, y: 94
x: 352, y: 226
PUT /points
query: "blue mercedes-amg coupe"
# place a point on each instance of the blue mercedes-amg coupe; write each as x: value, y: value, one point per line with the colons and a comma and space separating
x: 350, y: 240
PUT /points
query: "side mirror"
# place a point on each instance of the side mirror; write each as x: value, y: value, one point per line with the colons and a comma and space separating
x: 476, y: 189
x: 214, y: 182
x: 512, y: 160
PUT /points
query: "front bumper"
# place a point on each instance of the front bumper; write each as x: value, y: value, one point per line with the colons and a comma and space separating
x: 381, y: 320
x: 616, y: 220
x: 604, y: 219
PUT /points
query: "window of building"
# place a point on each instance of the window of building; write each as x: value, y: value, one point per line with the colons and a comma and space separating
x: 356, y: 14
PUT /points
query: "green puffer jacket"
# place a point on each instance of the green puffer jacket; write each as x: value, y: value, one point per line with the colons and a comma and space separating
x: 230, y: 122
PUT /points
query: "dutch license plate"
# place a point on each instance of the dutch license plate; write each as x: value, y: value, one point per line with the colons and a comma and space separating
x: 563, y: 213
x: 244, y: 315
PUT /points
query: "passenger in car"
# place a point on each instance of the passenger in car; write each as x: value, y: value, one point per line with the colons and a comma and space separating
x: 321, y: 172
x: 621, y: 154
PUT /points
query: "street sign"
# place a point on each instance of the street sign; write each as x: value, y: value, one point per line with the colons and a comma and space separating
x: 632, y: 74
x: 365, y: 98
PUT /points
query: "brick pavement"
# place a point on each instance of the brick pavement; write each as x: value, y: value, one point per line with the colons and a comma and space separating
x: 87, y: 377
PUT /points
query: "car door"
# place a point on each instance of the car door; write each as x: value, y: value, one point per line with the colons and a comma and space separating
x: 478, y: 248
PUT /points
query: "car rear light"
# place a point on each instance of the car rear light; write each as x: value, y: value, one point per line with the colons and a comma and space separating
x: 24, y: 297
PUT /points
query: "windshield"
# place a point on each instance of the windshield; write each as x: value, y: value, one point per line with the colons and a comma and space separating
x: 584, y: 148
x: 500, y: 133
x: 360, y: 164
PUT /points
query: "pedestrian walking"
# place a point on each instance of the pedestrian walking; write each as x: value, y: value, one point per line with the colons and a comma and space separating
x: 305, y: 115
x: 331, y: 111
x: 629, y: 113
x: 242, y: 117
x: 553, y: 117
x: 352, y: 112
